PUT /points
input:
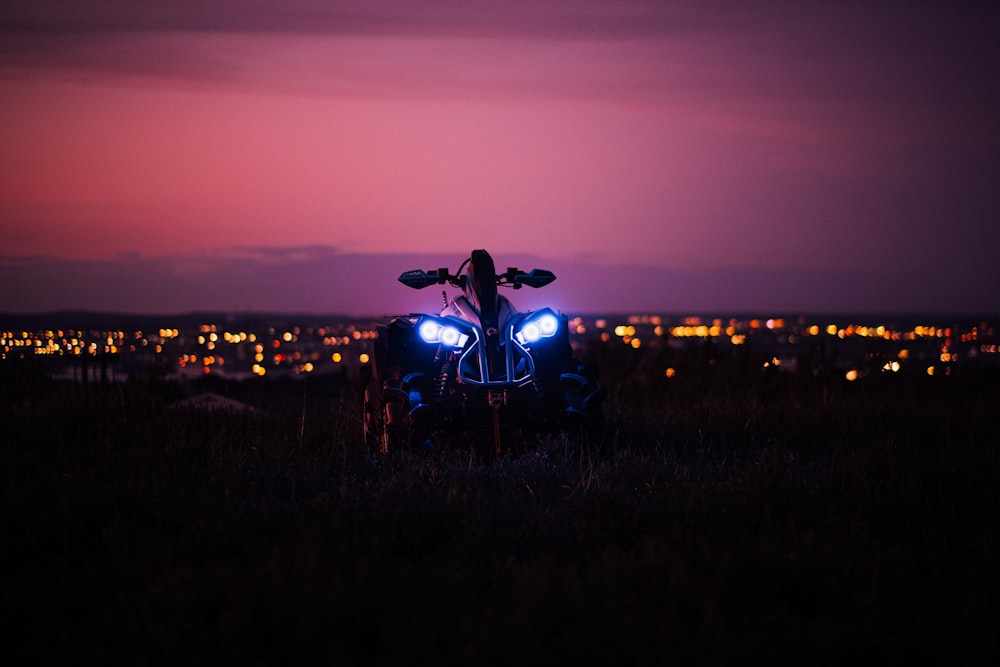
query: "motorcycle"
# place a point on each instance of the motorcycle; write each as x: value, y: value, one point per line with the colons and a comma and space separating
x: 479, y: 367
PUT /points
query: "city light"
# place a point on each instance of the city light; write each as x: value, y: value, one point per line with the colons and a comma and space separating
x: 936, y: 348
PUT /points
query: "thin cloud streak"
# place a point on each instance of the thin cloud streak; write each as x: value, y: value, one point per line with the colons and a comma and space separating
x: 552, y: 19
x: 326, y: 281
x: 841, y: 45
x: 784, y: 70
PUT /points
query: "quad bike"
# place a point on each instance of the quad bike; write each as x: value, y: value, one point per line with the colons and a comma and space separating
x: 479, y: 371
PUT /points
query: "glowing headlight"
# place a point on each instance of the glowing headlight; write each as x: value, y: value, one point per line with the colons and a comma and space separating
x: 434, y: 332
x: 451, y: 336
x: 430, y: 332
x: 544, y: 325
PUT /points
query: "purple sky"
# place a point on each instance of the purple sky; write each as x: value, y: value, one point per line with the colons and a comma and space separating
x: 662, y: 155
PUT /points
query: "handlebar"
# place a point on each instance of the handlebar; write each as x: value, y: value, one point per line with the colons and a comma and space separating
x: 512, y: 277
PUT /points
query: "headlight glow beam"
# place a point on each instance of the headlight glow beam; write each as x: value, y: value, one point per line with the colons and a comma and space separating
x: 540, y: 326
x: 547, y: 324
x: 531, y: 332
x: 430, y: 332
x: 433, y: 332
x: 450, y: 336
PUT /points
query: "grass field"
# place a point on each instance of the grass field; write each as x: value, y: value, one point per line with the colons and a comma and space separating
x: 721, y: 517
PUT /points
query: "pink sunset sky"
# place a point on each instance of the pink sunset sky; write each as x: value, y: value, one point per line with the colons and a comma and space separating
x: 662, y: 155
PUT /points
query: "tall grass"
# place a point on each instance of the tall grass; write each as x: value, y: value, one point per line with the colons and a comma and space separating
x: 717, y: 519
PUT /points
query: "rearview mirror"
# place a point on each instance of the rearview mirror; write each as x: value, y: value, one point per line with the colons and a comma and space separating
x: 534, y: 278
x: 418, y: 279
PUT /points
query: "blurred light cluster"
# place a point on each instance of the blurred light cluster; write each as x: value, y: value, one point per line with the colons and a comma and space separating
x: 302, y: 348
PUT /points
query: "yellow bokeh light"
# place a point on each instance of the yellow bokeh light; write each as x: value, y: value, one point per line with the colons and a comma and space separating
x: 852, y: 375
x: 336, y: 357
x: 364, y: 358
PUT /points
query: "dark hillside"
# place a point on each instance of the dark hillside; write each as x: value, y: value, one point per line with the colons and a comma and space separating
x: 763, y: 519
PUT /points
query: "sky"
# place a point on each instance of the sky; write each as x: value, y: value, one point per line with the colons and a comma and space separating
x: 663, y: 156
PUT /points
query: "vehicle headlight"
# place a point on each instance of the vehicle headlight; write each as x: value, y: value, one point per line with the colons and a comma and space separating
x: 543, y: 325
x: 434, y: 332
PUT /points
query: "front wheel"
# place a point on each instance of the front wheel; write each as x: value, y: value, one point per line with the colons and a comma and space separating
x: 387, y: 422
x: 372, y: 414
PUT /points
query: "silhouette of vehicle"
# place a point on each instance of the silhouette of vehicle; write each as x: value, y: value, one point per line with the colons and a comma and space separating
x: 479, y: 368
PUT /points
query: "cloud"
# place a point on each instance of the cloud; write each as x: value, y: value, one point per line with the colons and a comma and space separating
x: 282, y: 254
x: 782, y: 131
x: 553, y: 18
x: 848, y: 71
x: 322, y: 280
x: 729, y: 63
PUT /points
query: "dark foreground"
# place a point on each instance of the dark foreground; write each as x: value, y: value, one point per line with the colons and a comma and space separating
x: 768, y: 523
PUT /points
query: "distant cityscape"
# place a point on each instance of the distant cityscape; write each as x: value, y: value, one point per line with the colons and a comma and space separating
x: 88, y: 346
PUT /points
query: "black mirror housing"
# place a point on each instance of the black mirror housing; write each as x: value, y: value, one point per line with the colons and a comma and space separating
x: 418, y: 279
x: 534, y: 278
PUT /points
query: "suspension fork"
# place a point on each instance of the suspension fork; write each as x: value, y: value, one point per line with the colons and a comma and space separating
x: 443, y: 361
x: 497, y: 399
